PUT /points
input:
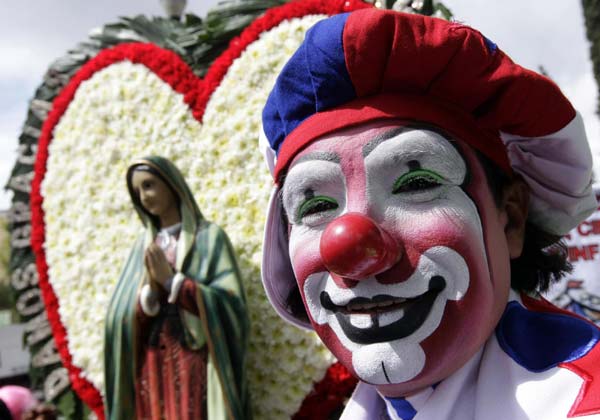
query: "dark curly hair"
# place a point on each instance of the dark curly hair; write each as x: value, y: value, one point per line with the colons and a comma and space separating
x: 544, y: 259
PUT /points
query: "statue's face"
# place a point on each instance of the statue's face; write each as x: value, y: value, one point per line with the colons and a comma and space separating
x: 156, y: 196
x: 425, y: 307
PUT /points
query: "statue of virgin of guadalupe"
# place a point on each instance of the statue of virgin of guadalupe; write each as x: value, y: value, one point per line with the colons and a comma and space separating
x: 176, y: 327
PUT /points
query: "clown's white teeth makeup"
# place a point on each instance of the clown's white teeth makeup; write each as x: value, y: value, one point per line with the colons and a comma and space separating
x: 361, y: 320
x: 383, y: 318
x: 389, y: 317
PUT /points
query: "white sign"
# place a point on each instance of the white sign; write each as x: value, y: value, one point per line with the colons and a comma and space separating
x: 579, y: 291
x: 14, y: 356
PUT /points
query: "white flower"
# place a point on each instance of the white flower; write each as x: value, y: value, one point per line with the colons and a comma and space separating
x: 125, y: 112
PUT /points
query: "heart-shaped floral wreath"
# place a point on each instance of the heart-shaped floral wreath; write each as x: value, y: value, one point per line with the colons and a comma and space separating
x: 137, y: 99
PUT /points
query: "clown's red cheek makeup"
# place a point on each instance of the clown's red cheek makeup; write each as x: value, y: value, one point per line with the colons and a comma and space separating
x: 383, y: 242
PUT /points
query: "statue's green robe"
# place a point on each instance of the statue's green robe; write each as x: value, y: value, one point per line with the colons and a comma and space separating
x: 204, y: 255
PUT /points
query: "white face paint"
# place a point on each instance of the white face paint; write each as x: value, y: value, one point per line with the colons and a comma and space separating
x: 411, y: 184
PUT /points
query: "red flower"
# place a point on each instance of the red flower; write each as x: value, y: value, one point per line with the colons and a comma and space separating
x: 335, y: 387
x: 328, y: 396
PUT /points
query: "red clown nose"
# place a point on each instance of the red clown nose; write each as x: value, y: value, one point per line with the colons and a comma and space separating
x: 355, y: 247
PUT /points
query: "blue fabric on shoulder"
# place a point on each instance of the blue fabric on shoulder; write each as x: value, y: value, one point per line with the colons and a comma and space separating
x: 491, y: 46
x: 403, y: 408
x: 310, y: 82
x: 539, y: 341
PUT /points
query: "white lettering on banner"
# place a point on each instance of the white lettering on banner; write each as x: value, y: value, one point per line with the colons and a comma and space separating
x: 19, y: 212
x: 23, y: 278
x: 30, y: 302
x: 21, y: 182
x: 47, y: 355
x: 21, y: 237
x: 55, y: 383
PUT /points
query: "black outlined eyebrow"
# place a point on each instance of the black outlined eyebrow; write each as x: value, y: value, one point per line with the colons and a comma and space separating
x: 327, y: 156
x: 370, y: 146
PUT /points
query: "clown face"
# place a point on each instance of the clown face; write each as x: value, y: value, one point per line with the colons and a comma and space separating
x: 398, y: 250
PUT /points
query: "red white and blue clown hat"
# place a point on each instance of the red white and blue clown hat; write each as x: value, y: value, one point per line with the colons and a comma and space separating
x: 373, y: 65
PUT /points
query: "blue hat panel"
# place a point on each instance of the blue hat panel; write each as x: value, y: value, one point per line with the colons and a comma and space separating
x: 313, y: 80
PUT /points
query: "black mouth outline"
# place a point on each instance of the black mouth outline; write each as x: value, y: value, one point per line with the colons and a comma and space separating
x: 416, y: 312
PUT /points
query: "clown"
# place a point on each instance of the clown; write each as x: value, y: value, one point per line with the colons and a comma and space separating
x: 420, y: 177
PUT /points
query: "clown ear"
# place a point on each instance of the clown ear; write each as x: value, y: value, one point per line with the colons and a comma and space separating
x: 558, y: 169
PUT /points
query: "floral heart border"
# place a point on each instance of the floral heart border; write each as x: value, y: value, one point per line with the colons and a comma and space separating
x: 197, y: 92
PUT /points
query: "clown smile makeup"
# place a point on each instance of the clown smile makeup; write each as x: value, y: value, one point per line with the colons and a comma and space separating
x: 384, y: 317
x: 372, y: 317
x: 373, y: 312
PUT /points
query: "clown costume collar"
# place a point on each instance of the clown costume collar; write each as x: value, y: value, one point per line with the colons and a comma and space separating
x: 550, y: 385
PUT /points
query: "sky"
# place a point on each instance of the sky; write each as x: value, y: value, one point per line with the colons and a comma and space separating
x: 548, y: 33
